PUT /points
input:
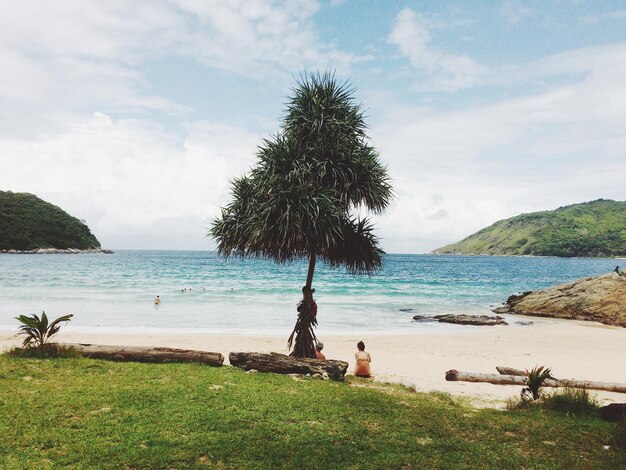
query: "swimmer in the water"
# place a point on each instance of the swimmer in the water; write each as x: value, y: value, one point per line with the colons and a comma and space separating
x: 157, y: 300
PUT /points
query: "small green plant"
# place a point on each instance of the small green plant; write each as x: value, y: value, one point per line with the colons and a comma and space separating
x: 38, y: 331
x: 534, y: 381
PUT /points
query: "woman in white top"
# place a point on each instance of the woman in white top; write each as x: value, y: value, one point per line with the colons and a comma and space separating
x: 363, y: 359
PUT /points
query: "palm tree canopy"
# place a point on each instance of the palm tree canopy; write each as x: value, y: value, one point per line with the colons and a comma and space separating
x: 310, y: 177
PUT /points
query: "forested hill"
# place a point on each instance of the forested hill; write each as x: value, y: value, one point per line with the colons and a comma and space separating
x: 28, y: 223
x: 596, y: 228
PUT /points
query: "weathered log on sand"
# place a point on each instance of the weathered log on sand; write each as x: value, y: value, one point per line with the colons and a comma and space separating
x: 459, y: 376
x: 146, y: 354
x: 503, y: 370
x: 282, y: 364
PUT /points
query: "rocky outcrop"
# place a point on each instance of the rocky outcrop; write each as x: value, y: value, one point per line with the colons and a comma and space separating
x: 601, y: 299
x: 474, y: 320
x: 46, y: 251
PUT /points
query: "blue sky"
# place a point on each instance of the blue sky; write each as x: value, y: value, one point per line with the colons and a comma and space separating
x: 135, y: 115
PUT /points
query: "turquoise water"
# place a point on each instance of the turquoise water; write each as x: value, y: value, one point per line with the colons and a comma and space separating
x: 115, y: 292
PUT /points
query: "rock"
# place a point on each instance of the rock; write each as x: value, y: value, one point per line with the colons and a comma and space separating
x: 475, y: 320
x: 49, y: 251
x: 424, y: 319
x: 525, y: 323
x: 518, y: 297
x: 601, y: 299
x: 407, y: 310
x: 613, y: 412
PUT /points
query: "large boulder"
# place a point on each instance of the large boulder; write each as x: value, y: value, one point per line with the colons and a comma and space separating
x: 601, y: 299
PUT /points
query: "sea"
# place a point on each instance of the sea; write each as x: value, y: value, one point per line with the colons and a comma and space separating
x: 202, y: 293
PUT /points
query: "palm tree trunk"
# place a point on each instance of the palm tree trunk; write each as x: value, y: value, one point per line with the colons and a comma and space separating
x: 309, y: 276
x: 307, y: 319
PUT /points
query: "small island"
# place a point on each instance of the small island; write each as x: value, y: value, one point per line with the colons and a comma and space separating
x: 29, y: 224
x: 590, y: 229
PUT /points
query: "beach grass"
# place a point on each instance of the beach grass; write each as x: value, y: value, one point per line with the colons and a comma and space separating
x: 83, y: 413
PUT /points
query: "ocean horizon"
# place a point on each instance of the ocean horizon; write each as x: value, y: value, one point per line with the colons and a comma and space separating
x: 202, y: 293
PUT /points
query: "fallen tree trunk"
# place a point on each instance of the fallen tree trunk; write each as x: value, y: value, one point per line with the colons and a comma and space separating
x: 146, y: 354
x: 510, y: 371
x: 282, y: 364
x: 459, y: 376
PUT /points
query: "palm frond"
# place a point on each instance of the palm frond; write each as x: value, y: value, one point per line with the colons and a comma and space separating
x: 358, y: 250
x: 535, y: 379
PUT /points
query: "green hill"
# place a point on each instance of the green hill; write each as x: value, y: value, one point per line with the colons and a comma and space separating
x: 28, y: 223
x: 596, y: 228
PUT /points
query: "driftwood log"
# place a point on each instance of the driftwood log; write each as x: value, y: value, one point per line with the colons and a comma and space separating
x: 146, y: 354
x: 510, y: 371
x: 498, y: 379
x: 282, y: 364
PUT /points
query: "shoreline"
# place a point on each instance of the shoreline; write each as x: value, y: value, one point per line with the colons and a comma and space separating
x: 435, y: 253
x: 54, y: 251
x: 572, y: 349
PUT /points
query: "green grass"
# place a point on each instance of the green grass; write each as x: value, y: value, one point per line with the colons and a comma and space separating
x: 82, y: 413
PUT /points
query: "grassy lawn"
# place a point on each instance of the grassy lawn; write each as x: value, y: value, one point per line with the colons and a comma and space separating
x: 84, y: 413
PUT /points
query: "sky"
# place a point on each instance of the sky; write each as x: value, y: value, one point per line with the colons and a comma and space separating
x: 135, y: 115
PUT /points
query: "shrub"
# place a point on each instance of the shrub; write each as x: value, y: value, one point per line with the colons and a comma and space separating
x: 575, y: 401
x: 37, y: 330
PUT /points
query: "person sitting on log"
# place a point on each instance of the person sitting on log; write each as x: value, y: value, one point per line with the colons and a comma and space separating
x: 318, y: 351
x: 363, y: 359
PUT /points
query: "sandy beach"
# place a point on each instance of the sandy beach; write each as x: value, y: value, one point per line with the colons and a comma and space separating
x: 574, y: 350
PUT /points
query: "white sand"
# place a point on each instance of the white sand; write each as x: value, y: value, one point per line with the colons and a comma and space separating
x: 574, y: 350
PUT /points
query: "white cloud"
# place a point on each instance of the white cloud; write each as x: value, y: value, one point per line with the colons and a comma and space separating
x: 73, y: 55
x: 131, y: 180
x: 255, y: 37
x: 515, y: 11
x: 442, y: 70
x: 492, y: 161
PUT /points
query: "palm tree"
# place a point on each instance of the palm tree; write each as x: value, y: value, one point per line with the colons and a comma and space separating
x: 299, y: 200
